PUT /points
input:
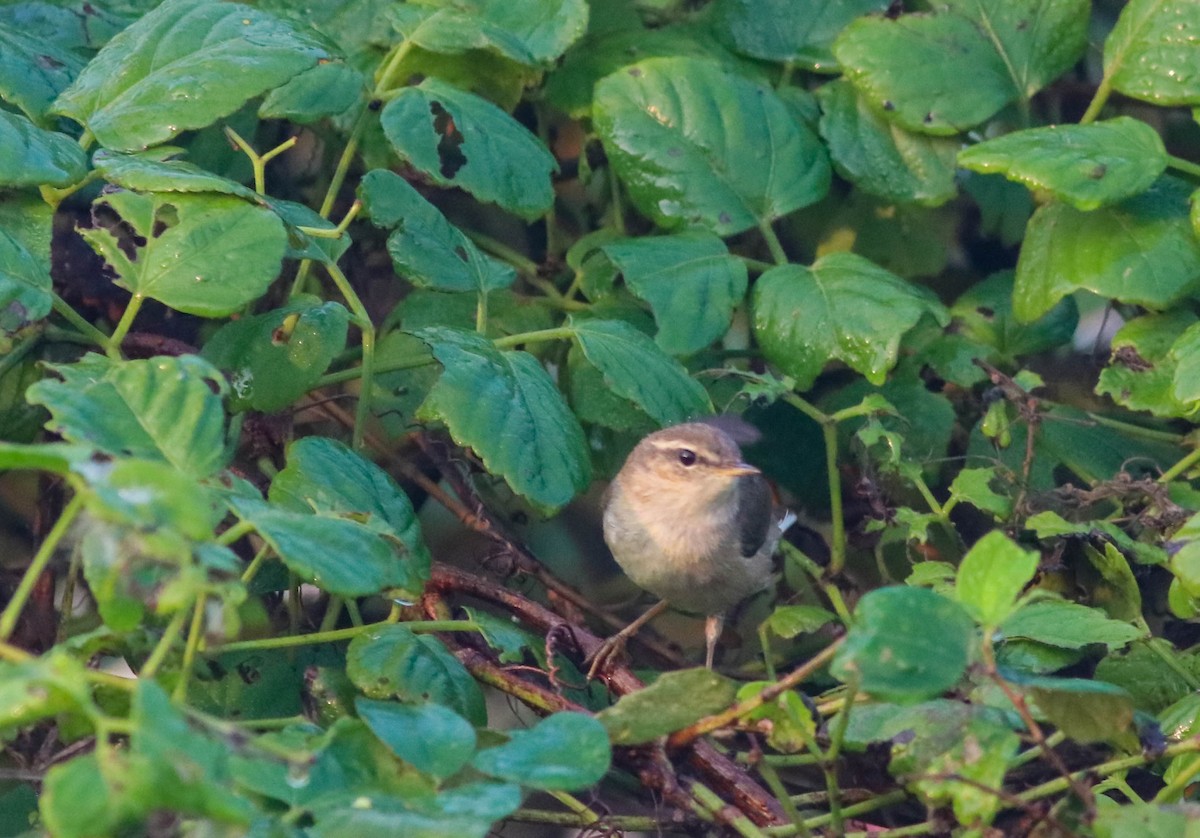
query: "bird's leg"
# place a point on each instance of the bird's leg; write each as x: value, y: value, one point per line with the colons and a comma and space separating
x: 713, y: 626
x: 616, y: 643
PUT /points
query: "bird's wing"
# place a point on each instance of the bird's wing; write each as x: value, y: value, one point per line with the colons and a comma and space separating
x: 754, y: 513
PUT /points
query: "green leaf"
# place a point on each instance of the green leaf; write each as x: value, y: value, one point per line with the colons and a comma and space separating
x: 507, y: 638
x: 159, y: 408
x: 325, y: 477
x: 432, y: 738
x: 1152, y: 672
x: 149, y: 495
x: 1068, y: 625
x: 34, y: 70
x: 338, y: 555
x: 691, y: 281
x: 784, y: 30
x: 1148, y: 236
x: 881, y: 157
x: 1185, y: 357
x: 78, y: 803
x: 528, y: 31
x: 1143, y: 373
x: 562, y: 752
x: 505, y: 406
x: 327, y: 89
x: 273, y: 359
x: 204, y: 254
x: 30, y: 156
x: 1008, y: 52
x: 790, y: 621
x: 674, y: 701
x: 992, y: 576
x: 696, y: 144
x: 1150, y: 52
x: 984, y: 313
x: 392, y: 661
x: 25, y: 286
x: 150, y: 172
x: 301, y: 244
x: 636, y: 369
x: 1086, y: 166
x: 974, y: 485
x: 41, y: 688
x: 184, y: 65
x: 426, y: 249
x: 843, y: 307
x: 458, y: 139
x: 1146, y: 820
x: 905, y: 644
x: 1086, y: 711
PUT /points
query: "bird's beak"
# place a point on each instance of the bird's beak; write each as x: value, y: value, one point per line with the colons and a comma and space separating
x: 739, y: 470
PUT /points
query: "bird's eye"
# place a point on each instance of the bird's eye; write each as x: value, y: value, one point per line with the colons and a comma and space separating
x: 687, y: 456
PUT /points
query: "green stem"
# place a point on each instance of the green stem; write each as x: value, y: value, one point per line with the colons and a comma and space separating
x: 18, y: 353
x: 235, y: 533
x: 756, y: 264
x: 362, y: 412
x: 618, y: 215
x: 355, y: 373
x: 290, y: 641
x: 773, y: 244
x: 1099, y: 99
x: 540, y: 336
x: 1180, y: 467
x: 708, y: 800
x: 771, y: 777
x: 837, y: 559
x: 1185, y: 166
x: 333, y: 610
x: 195, y: 632
x: 81, y: 325
x: 817, y: 574
x: 1136, y: 430
x: 113, y: 347
x: 481, y: 313
x: 524, y: 265
x: 580, y: 809
x: 37, y: 566
x: 164, y: 644
x: 257, y: 562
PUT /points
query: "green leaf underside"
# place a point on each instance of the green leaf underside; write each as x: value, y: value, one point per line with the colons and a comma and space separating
x: 426, y: 248
x: 505, y: 406
x: 159, y: 408
x: 1087, y: 166
x: 216, y: 254
x: 881, y: 157
x: 843, y: 307
x: 696, y: 144
x: 635, y: 369
x: 1142, y: 251
x: 182, y: 66
x: 33, y: 71
x: 691, y: 281
x: 148, y: 173
x: 1008, y: 52
x: 458, y: 139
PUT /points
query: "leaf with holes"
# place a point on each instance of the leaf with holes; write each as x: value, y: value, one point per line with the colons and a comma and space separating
x: 426, y: 249
x: 1087, y: 166
x: 843, y: 307
x: 203, y: 254
x: 505, y: 406
x: 458, y: 139
x: 184, y: 65
x: 34, y: 71
x: 1008, y: 51
x: 697, y: 144
x: 1145, y: 367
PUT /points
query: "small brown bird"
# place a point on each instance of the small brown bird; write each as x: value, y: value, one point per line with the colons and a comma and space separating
x: 688, y: 520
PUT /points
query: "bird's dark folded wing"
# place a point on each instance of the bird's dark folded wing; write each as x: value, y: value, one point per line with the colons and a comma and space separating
x: 754, y: 513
